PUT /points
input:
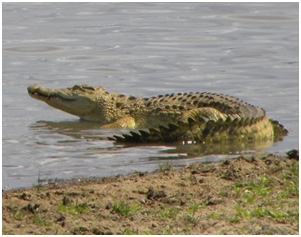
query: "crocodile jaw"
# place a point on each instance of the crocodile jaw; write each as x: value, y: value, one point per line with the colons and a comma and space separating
x: 73, y: 100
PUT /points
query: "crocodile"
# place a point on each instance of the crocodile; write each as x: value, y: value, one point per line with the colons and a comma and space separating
x: 187, y: 117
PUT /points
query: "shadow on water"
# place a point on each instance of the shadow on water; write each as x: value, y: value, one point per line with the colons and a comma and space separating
x: 89, y: 131
x: 75, y: 129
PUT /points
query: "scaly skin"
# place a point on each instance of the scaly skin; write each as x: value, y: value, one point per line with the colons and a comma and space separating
x: 204, y: 117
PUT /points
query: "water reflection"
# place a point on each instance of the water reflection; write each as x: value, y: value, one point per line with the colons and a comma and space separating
x: 32, y: 49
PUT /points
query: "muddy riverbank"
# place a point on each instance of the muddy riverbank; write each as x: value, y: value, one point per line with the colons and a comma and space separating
x: 248, y: 195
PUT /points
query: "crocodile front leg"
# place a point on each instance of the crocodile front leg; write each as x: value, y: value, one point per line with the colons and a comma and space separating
x: 125, y: 122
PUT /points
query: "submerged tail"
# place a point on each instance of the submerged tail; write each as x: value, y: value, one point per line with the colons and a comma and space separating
x: 279, y: 130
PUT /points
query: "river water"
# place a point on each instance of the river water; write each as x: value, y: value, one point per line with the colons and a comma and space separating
x: 248, y: 50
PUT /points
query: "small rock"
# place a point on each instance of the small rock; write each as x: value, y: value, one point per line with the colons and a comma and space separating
x: 195, y: 172
x: 60, y: 218
x: 154, y: 225
x: 151, y: 194
x: 59, y: 192
x: 226, y: 162
x: 108, y: 206
x: 293, y: 154
x: 249, y: 159
x: 25, y: 196
x: 66, y: 201
x: 268, y: 162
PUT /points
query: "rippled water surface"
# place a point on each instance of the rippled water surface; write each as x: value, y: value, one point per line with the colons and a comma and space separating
x: 246, y: 50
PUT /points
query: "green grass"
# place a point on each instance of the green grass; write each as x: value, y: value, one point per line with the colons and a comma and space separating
x: 168, y: 212
x: 128, y: 231
x: 252, y: 189
x: 189, y: 218
x: 234, y: 218
x: 215, y: 215
x: 166, y: 166
x: 124, y: 209
x: 38, y: 220
x: 18, y: 215
x: 269, y: 197
x: 193, y: 208
x: 168, y: 231
x: 40, y: 182
x: 77, y: 208
x: 264, y: 211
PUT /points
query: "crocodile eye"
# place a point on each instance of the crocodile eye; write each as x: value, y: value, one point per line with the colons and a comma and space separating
x: 88, y: 87
x: 76, y: 87
x: 83, y: 88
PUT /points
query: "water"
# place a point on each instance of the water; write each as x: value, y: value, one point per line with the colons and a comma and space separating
x: 248, y: 50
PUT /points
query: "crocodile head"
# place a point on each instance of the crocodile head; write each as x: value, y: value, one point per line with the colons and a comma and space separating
x: 80, y: 100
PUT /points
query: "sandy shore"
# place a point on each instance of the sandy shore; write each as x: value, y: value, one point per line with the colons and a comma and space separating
x: 248, y: 195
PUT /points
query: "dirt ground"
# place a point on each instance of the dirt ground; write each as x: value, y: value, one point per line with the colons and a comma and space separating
x: 248, y: 195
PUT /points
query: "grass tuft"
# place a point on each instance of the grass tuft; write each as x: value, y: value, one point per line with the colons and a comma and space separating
x: 38, y: 220
x: 124, y: 209
x: 166, y: 166
x: 77, y: 208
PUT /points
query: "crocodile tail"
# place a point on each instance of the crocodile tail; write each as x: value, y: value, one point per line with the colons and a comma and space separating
x: 279, y: 130
x: 218, y: 130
